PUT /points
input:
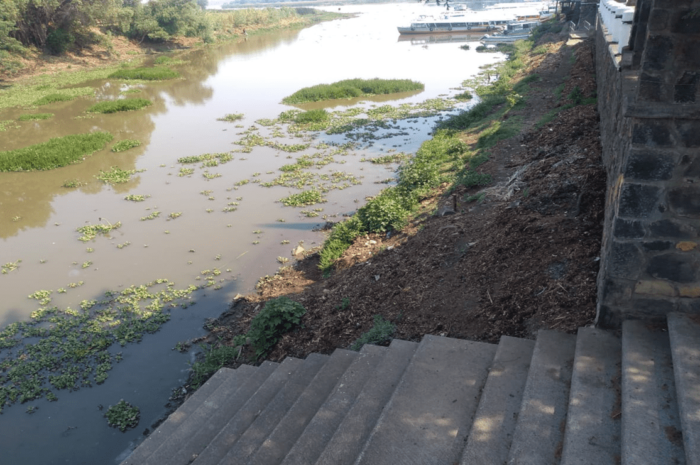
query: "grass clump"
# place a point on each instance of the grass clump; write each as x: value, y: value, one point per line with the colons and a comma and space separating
x: 277, y: 318
x: 56, y: 152
x: 115, y: 106
x: 312, y: 116
x: 466, y: 95
x: 52, y: 98
x: 214, y: 359
x: 145, y: 74
x: 231, y: 117
x: 351, y: 88
x: 302, y: 199
x: 122, y: 416
x: 35, y: 116
x: 125, y: 144
x: 380, y: 333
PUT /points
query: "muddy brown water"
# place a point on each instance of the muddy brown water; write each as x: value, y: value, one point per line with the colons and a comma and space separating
x: 39, y: 217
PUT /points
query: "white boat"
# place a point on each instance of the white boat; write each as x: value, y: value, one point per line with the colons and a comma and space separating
x: 514, y: 31
x: 490, y: 19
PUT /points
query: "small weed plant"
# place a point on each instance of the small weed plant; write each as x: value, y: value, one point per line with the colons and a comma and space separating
x: 278, y: 317
x: 381, y: 332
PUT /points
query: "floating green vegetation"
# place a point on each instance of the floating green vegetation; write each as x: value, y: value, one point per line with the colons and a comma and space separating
x: 174, y: 215
x: 302, y: 199
x: 222, y: 158
x: 145, y: 74
x: 56, y: 152
x: 466, y: 95
x: 87, y: 264
x: 185, y: 172
x: 35, y: 116
x: 53, y: 98
x: 152, y: 216
x: 166, y: 60
x: 131, y: 91
x: 9, y: 267
x: 209, y: 175
x: 125, y: 144
x: 8, y: 124
x: 123, y: 415
x: 90, y: 231
x: 351, y: 88
x: 386, y: 159
x: 136, y: 197
x: 66, y: 349
x: 116, y: 175
x: 114, y: 106
x: 312, y: 116
x: 125, y: 244
x: 72, y: 183
x: 231, y: 117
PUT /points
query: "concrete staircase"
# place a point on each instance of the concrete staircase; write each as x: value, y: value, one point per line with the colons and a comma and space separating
x: 563, y: 399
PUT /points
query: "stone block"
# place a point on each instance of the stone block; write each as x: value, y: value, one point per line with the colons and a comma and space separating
x: 690, y: 291
x: 685, y: 23
x: 656, y: 246
x: 650, y: 166
x: 628, y: 229
x: 686, y: 246
x: 651, y: 88
x: 657, y: 52
x: 673, y: 267
x: 686, y: 88
x: 649, y: 307
x: 689, y: 306
x: 616, y: 291
x: 685, y: 201
x: 638, y: 200
x: 662, y: 288
x: 693, y: 169
x: 659, y: 19
x: 651, y: 134
x: 688, y: 55
x: 625, y: 260
x: 608, y: 316
x: 689, y: 132
x: 674, y: 229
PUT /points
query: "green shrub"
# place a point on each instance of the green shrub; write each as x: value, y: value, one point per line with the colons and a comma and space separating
x: 113, y: 106
x: 214, y: 359
x: 576, y: 95
x: 275, y: 319
x: 57, y: 152
x: 381, y: 332
x: 351, y: 88
x: 125, y: 144
x: 122, y: 416
x: 35, y: 116
x: 466, y: 95
x: 146, y: 74
x: 52, y: 98
x: 472, y: 178
x: 58, y: 41
x: 386, y: 212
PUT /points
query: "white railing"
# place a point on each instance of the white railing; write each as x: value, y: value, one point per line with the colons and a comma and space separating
x: 617, y: 18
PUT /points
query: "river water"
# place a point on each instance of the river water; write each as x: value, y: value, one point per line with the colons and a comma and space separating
x: 39, y: 217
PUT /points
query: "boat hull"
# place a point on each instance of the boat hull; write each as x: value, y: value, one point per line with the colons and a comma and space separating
x: 444, y: 29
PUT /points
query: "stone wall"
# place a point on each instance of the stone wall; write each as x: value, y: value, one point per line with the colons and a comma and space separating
x: 649, y: 102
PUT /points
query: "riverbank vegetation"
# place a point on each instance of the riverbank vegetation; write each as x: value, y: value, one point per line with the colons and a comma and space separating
x: 492, y: 228
x: 114, y: 106
x: 56, y: 152
x: 352, y: 88
x: 28, y: 31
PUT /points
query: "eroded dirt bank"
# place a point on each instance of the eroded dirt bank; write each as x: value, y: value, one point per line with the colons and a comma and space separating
x: 523, y: 258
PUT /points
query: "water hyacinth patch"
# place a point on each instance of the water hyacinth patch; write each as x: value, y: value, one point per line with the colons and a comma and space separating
x: 351, y: 88
x: 122, y: 416
x: 35, y: 116
x: 90, y: 231
x: 55, y: 153
x: 125, y: 144
x: 116, y: 175
x: 302, y: 199
x: 66, y: 349
x: 114, y: 106
x: 231, y: 117
x: 145, y: 74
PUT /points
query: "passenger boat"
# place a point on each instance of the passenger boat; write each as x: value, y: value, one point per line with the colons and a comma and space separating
x: 491, y: 19
x: 514, y: 31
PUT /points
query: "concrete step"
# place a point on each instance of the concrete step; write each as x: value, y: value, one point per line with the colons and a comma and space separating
x: 227, y: 434
x: 651, y: 427
x: 539, y: 432
x: 283, y: 437
x: 178, y: 417
x: 494, y: 423
x: 684, y: 332
x: 437, y: 395
x: 320, y: 429
x: 353, y: 431
x: 593, y: 420
x: 263, y: 425
x: 209, y: 418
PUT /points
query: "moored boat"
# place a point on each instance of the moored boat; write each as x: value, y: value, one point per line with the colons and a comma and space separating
x: 491, y: 19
